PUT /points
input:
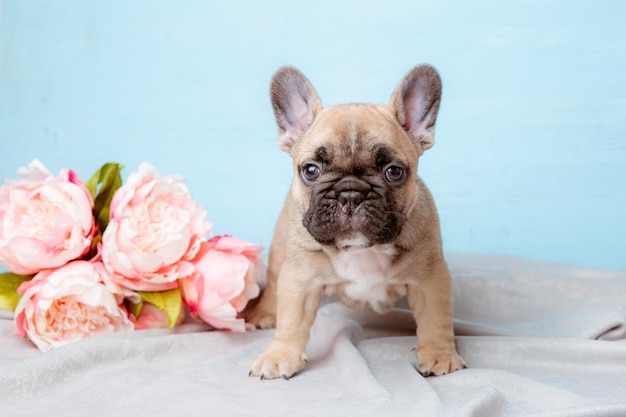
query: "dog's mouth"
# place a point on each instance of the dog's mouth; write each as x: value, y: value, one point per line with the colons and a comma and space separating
x: 351, y: 242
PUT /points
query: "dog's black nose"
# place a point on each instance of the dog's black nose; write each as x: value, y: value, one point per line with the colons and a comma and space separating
x: 350, y: 198
x: 351, y: 192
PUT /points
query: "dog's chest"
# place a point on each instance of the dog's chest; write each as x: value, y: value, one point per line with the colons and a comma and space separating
x: 365, y: 277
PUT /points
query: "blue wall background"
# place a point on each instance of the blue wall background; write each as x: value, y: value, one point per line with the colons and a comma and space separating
x: 530, y: 154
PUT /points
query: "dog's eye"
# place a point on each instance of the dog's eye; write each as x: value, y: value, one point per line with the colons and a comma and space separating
x: 394, y: 173
x: 311, y: 172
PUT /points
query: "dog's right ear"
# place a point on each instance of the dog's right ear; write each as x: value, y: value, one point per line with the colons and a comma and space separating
x: 295, y: 104
x: 415, y: 103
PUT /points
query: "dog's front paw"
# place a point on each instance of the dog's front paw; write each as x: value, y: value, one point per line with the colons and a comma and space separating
x: 436, y: 360
x: 261, y: 318
x: 278, y: 362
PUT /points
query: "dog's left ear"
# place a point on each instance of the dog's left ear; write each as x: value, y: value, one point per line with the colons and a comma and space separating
x: 415, y: 103
x: 295, y: 104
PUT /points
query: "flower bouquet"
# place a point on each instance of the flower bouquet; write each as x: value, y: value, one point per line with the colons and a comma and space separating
x: 103, y: 256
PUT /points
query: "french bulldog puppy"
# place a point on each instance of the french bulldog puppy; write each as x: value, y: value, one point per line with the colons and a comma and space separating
x: 358, y: 223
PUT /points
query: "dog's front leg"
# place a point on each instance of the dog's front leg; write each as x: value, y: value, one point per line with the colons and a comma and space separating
x: 430, y: 300
x: 297, y: 305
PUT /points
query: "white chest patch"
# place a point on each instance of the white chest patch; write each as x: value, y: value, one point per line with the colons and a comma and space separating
x: 366, y: 272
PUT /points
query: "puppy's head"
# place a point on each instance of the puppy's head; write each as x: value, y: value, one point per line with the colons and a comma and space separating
x: 355, y: 164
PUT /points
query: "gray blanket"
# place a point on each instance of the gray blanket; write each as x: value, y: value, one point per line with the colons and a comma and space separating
x: 539, y: 340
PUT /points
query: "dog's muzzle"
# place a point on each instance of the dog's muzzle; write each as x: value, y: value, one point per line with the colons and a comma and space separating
x: 352, y: 208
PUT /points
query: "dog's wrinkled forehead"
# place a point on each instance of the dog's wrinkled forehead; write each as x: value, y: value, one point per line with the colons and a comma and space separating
x: 358, y: 135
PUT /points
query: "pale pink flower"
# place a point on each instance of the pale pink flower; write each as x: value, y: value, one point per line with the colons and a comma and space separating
x: 150, y: 317
x: 226, y: 279
x: 75, y: 301
x: 45, y: 221
x: 154, y: 233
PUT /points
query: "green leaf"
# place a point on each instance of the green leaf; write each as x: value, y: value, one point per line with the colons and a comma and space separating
x: 9, y: 284
x: 171, y: 302
x: 102, y: 185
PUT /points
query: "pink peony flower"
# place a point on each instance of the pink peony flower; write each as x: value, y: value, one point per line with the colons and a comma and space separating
x: 154, y: 233
x: 150, y: 317
x: 226, y: 279
x: 72, y: 302
x: 45, y: 222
